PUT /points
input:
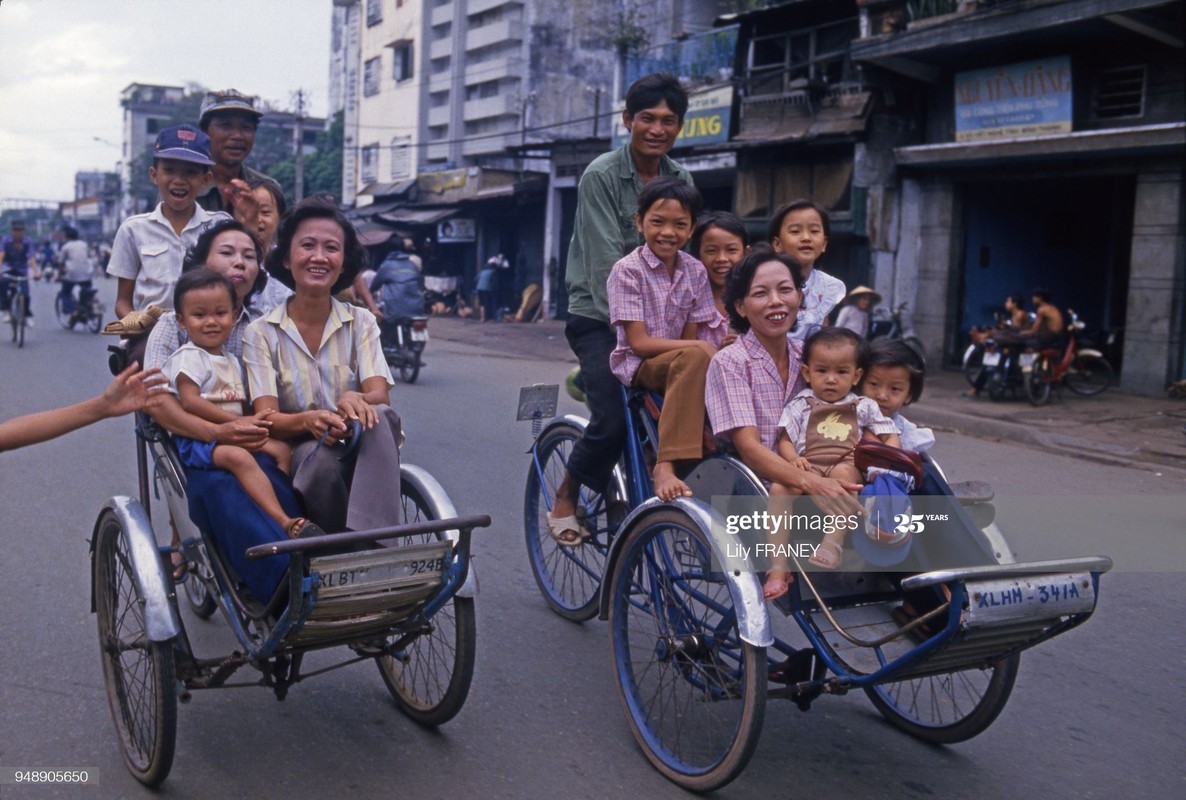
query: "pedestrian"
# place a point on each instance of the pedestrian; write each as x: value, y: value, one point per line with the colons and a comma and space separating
x: 856, y: 312
x: 603, y: 232
x: 488, y: 291
x: 17, y: 259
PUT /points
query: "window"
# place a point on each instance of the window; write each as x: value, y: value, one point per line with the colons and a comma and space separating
x: 370, y: 77
x: 402, y: 65
x: 153, y: 126
x: 374, y: 12
x: 401, y: 157
x: 1119, y: 92
x: 370, y: 163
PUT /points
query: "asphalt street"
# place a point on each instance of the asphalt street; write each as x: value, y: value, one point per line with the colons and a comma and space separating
x: 1094, y: 713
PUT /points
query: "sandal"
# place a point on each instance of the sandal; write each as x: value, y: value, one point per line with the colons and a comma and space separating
x: 567, y: 531
x: 820, y: 557
x: 301, y: 528
x: 778, y: 583
x: 180, y: 566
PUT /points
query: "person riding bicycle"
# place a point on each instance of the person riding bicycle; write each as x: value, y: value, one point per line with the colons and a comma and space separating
x: 17, y: 259
x: 77, y: 270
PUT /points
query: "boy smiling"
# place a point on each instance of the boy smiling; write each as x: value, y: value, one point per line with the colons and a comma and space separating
x: 148, y: 248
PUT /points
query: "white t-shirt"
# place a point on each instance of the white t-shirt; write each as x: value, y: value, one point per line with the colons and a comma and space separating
x: 76, y: 261
x: 219, y: 378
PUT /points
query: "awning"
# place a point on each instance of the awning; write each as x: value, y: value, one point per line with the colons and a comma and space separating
x: 779, y: 121
x: 371, y: 234
x: 388, y: 189
x: 418, y: 216
x: 1147, y: 140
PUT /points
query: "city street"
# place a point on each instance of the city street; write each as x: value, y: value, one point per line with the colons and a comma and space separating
x: 1094, y: 713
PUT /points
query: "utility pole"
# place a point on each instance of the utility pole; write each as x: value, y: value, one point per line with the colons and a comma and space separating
x: 298, y: 135
x: 596, y: 92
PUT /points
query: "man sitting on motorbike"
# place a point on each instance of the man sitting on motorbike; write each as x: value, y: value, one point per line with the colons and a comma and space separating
x: 1048, y: 326
x: 397, y: 290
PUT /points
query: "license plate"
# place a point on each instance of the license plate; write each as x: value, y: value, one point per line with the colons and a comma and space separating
x: 991, y: 359
x: 1027, y: 360
x: 419, y: 336
x: 412, y: 571
x: 1036, y: 597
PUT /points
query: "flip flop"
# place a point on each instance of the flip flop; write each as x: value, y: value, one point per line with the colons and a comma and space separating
x: 308, y: 528
x: 180, y: 566
x: 567, y: 531
x: 837, y: 551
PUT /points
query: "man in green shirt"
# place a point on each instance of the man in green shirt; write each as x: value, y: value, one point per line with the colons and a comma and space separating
x: 604, y: 231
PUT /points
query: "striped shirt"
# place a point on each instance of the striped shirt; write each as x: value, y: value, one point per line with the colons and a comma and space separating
x: 744, y: 390
x: 280, y: 365
x: 640, y: 291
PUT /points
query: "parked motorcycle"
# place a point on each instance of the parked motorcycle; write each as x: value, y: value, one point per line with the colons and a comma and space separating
x: 895, y: 325
x: 403, y: 345
x: 1004, y: 365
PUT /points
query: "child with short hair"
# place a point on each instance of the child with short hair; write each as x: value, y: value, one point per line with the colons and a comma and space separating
x: 148, y: 248
x: 720, y: 241
x: 209, y: 383
x: 800, y: 229
x: 658, y: 297
x: 894, y: 380
x: 819, y: 430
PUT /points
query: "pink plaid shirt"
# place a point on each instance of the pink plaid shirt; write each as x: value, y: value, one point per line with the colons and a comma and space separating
x: 640, y: 291
x: 715, y: 330
x: 744, y: 390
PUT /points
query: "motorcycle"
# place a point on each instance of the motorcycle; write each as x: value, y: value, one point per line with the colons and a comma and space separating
x: 403, y: 342
x: 895, y: 325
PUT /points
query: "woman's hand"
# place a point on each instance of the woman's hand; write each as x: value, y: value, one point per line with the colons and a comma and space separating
x: 248, y: 432
x: 319, y: 422
x: 352, y: 405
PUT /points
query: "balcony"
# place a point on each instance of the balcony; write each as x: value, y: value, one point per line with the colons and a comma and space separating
x: 438, y: 116
x: 441, y: 48
x: 440, y: 82
x: 489, y: 144
x: 497, y: 106
x: 438, y: 152
x: 493, y: 70
x: 494, y: 33
x: 441, y: 15
x: 478, y: 6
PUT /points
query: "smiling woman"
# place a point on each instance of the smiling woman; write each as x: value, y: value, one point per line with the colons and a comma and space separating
x: 316, y: 364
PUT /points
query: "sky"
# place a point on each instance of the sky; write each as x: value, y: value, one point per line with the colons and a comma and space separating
x: 63, y: 64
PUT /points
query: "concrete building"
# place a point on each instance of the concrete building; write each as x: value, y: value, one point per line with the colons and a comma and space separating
x: 94, y: 212
x: 147, y: 108
x: 1031, y: 143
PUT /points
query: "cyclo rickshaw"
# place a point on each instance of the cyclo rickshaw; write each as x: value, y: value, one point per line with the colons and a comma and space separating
x: 694, y: 654
x: 401, y: 596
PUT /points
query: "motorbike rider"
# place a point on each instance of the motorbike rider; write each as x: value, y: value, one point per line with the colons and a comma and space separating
x: 397, y: 290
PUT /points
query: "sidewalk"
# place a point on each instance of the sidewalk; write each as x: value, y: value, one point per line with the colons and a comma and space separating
x: 1113, y: 427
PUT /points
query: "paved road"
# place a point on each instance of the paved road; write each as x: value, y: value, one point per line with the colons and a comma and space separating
x: 1094, y: 714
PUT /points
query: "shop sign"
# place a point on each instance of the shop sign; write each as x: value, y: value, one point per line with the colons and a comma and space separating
x: 457, y: 229
x: 707, y: 121
x: 1027, y: 99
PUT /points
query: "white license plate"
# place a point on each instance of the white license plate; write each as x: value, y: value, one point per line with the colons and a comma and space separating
x: 419, y: 336
x: 1027, y: 360
x: 1033, y: 597
x: 417, y: 569
x: 991, y: 359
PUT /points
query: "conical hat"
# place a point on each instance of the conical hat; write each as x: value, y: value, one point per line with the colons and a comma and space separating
x: 864, y: 290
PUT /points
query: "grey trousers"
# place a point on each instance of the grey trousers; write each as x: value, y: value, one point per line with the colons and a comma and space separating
x: 342, y: 496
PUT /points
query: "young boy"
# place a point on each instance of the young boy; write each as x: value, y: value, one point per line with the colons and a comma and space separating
x: 658, y: 296
x: 208, y: 382
x: 148, y: 248
x: 819, y: 429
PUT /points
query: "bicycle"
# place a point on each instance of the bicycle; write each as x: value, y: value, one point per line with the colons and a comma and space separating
x: 1083, y: 370
x: 87, y: 309
x: 17, y: 287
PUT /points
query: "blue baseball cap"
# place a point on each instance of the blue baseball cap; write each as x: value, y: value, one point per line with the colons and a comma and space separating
x: 183, y: 143
x: 884, y: 538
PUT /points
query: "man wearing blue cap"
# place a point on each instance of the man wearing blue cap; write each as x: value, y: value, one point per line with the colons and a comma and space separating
x: 230, y: 119
x: 148, y: 248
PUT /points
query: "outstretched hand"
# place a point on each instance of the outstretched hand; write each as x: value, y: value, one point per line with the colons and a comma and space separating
x: 134, y: 390
x: 242, y: 202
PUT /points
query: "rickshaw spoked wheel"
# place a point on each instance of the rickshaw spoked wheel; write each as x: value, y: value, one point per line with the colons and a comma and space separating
x: 138, y: 673
x: 431, y: 677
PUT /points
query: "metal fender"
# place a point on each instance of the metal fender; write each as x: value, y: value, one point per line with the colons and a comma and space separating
x: 161, y: 621
x: 1087, y: 351
x: 753, y: 620
x: 441, y: 507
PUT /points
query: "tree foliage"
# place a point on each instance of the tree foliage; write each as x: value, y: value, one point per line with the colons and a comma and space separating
x: 323, y: 167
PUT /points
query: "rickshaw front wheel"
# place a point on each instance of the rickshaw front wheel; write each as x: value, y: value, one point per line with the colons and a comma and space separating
x: 138, y: 673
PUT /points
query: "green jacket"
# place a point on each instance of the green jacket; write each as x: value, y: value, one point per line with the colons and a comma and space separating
x: 604, y: 230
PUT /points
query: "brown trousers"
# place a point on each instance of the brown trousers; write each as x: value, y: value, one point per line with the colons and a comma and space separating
x: 679, y: 376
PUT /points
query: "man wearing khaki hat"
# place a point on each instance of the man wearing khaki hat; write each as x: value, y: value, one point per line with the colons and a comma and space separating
x: 855, y: 313
x: 230, y: 119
